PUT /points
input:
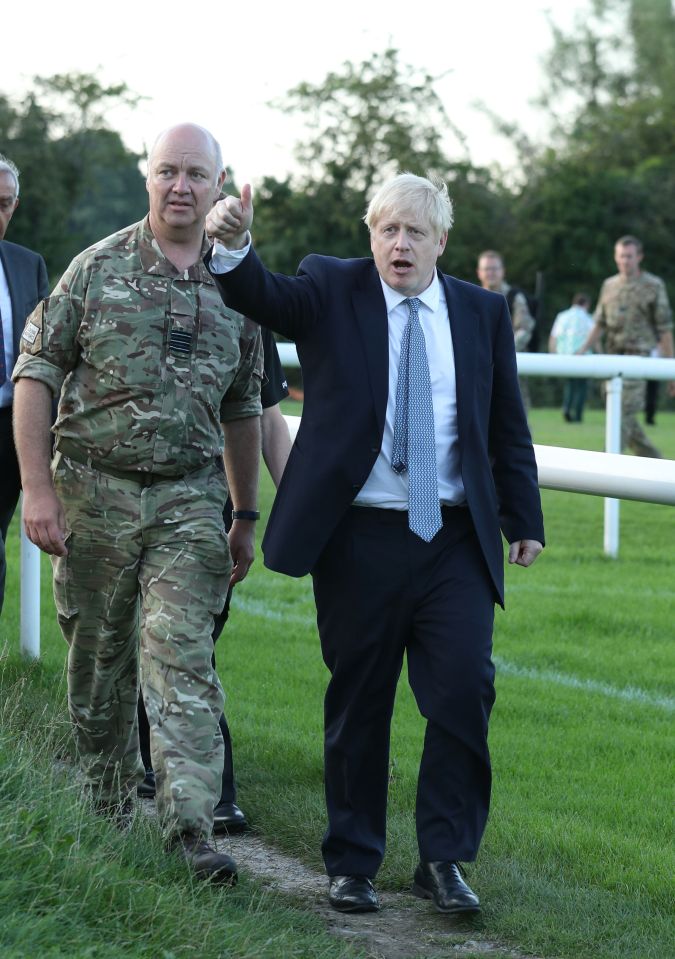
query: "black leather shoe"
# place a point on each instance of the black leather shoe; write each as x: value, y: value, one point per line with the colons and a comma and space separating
x: 205, y: 861
x: 146, y: 790
x: 352, y: 894
x: 443, y: 882
x: 228, y: 818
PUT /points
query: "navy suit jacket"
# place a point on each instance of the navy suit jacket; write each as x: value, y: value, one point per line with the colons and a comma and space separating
x: 336, y: 313
x: 28, y: 284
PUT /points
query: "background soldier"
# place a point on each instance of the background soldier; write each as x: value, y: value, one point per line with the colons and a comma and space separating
x: 148, y: 364
x: 632, y: 315
x: 491, y: 274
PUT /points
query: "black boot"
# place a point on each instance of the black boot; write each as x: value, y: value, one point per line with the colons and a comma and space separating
x: 205, y: 861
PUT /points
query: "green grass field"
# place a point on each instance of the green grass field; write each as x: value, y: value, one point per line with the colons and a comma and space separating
x: 577, y: 859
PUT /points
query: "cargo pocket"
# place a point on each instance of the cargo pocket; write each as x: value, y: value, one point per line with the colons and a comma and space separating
x: 64, y: 595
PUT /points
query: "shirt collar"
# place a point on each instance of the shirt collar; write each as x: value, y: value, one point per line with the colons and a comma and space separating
x: 430, y: 297
x: 154, y: 261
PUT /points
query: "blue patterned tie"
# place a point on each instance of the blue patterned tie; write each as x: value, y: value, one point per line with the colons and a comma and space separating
x: 414, y: 437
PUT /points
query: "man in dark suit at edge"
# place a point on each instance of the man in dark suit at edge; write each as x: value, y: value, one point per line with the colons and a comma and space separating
x: 23, y: 283
x: 413, y: 452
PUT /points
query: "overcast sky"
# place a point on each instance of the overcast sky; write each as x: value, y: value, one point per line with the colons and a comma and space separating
x: 222, y: 68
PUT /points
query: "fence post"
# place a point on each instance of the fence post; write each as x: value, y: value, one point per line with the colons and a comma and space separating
x: 30, y: 595
x: 614, y: 389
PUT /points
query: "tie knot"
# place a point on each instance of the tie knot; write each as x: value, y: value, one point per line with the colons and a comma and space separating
x: 413, y: 305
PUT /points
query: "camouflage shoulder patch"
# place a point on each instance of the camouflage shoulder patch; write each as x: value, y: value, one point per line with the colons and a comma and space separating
x: 32, y: 333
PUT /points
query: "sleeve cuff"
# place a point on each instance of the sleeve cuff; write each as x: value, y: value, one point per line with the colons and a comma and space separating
x: 224, y: 260
x: 240, y: 410
x: 35, y: 368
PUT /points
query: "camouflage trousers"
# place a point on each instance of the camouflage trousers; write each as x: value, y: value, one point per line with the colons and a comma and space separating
x: 150, y: 562
x: 632, y: 434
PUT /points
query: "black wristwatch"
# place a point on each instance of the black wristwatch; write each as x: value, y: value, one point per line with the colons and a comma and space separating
x: 251, y: 514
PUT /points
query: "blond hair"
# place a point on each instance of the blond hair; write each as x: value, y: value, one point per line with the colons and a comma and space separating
x: 407, y: 194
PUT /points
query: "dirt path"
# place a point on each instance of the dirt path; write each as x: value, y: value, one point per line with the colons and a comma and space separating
x: 405, y: 927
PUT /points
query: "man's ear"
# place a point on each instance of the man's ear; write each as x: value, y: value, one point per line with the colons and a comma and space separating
x: 219, y: 185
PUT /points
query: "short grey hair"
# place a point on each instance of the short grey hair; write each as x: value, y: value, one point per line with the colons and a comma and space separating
x: 215, y: 146
x: 7, y: 166
x: 425, y: 197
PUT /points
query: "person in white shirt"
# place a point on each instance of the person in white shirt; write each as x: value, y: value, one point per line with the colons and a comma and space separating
x: 569, y: 332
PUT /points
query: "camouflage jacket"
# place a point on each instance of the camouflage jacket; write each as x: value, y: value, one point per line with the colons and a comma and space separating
x: 148, y: 361
x: 522, y: 321
x: 633, y: 313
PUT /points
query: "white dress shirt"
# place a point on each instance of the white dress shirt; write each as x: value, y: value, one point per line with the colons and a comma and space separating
x: 7, y: 389
x: 385, y: 488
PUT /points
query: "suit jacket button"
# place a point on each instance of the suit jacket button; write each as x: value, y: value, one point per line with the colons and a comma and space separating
x: 374, y: 449
x: 356, y: 486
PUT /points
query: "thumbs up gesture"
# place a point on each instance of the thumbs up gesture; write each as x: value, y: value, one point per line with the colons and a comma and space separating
x: 230, y: 219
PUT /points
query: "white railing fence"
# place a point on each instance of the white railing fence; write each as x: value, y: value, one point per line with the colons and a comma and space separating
x: 595, y: 473
x: 608, y: 474
x: 614, y: 369
x: 30, y: 596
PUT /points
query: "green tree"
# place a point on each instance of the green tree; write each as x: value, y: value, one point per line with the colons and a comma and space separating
x: 79, y: 182
x: 608, y: 167
x: 366, y: 122
x: 484, y: 219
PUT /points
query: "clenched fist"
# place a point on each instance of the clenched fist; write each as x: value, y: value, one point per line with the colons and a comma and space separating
x: 230, y: 220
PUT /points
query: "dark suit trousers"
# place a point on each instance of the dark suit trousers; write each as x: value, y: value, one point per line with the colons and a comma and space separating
x: 381, y: 592
x: 10, y: 487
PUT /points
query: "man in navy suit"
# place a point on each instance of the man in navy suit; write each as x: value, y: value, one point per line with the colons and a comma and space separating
x: 23, y: 283
x: 413, y: 452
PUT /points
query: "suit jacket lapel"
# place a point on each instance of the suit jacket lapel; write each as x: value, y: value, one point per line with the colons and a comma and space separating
x: 464, y: 324
x: 371, y: 316
x: 371, y: 320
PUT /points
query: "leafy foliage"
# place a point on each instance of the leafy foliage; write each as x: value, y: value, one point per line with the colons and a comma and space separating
x: 368, y: 121
x: 79, y: 182
x: 607, y: 169
x: 610, y: 169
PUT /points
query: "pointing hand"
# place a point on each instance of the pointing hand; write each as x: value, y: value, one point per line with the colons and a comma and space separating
x: 230, y: 220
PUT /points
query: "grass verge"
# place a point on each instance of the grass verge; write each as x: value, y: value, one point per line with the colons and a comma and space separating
x: 576, y: 863
x: 73, y: 886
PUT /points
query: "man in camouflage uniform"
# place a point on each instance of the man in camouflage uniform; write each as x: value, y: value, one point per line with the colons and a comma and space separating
x: 491, y: 274
x: 148, y: 364
x: 632, y: 315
